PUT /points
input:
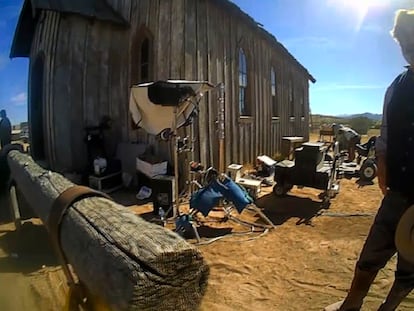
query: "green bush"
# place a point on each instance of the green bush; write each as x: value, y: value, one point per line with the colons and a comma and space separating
x: 361, y: 124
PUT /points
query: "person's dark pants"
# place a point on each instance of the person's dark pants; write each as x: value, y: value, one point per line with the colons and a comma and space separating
x: 380, y: 246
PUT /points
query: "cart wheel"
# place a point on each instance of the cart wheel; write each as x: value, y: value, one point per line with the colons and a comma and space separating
x: 279, y: 190
x: 288, y: 187
x: 368, y: 170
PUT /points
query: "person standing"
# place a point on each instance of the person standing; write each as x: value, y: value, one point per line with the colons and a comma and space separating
x: 395, y: 155
x: 348, y: 138
x: 5, y: 129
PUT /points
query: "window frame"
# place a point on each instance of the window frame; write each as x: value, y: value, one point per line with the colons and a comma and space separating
x: 142, y: 37
x: 291, y: 99
x: 303, y: 103
x: 145, y: 63
x: 274, y: 93
x: 243, y: 81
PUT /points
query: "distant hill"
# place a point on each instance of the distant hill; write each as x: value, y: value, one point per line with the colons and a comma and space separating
x: 360, y: 122
x: 317, y: 120
x: 369, y: 115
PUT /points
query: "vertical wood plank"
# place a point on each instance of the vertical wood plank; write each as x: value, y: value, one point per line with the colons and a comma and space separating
x: 84, y: 60
x: 164, y: 41
x: 54, y: 39
x: 62, y: 91
x: 203, y: 74
x: 234, y: 61
x: 257, y: 103
x: 45, y: 46
x: 228, y: 100
x: 190, y: 40
x: 177, y: 39
x: 118, y: 87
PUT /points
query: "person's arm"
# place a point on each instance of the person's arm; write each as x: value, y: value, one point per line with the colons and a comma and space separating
x: 382, y: 174
x: 381, y: 145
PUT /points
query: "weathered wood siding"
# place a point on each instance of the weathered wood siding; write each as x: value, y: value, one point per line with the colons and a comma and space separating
x: 86, y: 78
x: 91, y: 63
x: 44, y: 46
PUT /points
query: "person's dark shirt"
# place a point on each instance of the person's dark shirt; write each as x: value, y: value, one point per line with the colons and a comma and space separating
x: 400, y: 135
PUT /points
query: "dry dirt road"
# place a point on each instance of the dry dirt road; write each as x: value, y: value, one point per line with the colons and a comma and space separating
x: 304, y: 264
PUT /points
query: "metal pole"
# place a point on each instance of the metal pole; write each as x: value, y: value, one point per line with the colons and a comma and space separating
x: 191, y: 150
x: 176, y: 203
x: 221, y: 128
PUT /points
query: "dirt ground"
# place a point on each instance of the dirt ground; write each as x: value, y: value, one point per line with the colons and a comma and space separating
x: 305, y: 263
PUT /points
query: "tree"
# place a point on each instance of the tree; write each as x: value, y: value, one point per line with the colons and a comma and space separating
x: 361, y: 124
x: 377, y: 124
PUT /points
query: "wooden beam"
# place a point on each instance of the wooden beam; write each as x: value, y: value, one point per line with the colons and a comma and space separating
x: 127, y: 262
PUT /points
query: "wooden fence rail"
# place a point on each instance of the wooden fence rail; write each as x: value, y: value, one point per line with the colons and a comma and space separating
x: 128, y: 263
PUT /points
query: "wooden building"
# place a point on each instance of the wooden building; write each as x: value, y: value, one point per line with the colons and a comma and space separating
x: 86, y: 54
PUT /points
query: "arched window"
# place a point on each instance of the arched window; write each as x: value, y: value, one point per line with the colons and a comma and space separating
x: 303, y: 103
x: 142, y: 57
x: 274, y: 103
x: 291, y: 99
x: 145, y: 60
x: 243, y: 105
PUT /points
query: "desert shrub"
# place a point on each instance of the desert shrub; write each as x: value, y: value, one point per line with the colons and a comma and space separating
x: 376, y: 125
x: 360, y: 124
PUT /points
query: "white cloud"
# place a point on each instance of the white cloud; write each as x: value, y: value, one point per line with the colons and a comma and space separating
x: 312, y: 42
x: 20, y: 99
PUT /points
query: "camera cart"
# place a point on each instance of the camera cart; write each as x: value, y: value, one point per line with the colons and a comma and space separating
x: 313, y: 167
x: 365, y: 166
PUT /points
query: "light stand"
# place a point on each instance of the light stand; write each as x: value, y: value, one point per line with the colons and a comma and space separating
x: 221, y: 128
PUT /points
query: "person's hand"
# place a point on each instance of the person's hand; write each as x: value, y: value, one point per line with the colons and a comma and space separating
x: 382, y: 175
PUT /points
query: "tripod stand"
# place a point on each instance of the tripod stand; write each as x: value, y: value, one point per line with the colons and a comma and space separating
x: 162, y: 108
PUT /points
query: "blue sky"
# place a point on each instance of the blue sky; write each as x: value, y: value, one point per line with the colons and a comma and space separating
x: 345, y: 44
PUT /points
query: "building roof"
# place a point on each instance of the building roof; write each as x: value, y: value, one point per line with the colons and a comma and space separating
x: 229, y: 5
x: 23, y: 36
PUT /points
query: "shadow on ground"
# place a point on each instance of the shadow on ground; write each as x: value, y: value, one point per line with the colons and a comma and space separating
x: 127, y: 197
x: 362, y: 183
x: 28, y: 249
x: 204, y: 230
x: 281, y: 209
x: 5, y: 211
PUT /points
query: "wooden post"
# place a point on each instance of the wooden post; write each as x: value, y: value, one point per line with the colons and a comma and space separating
x: 129, y: 263
x: 14, y: 207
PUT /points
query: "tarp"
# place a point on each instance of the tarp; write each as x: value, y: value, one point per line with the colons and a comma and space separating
x: 154, y: 118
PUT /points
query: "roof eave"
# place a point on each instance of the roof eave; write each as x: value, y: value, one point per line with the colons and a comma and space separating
x: 24, y: 50
x: 24, y: 32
